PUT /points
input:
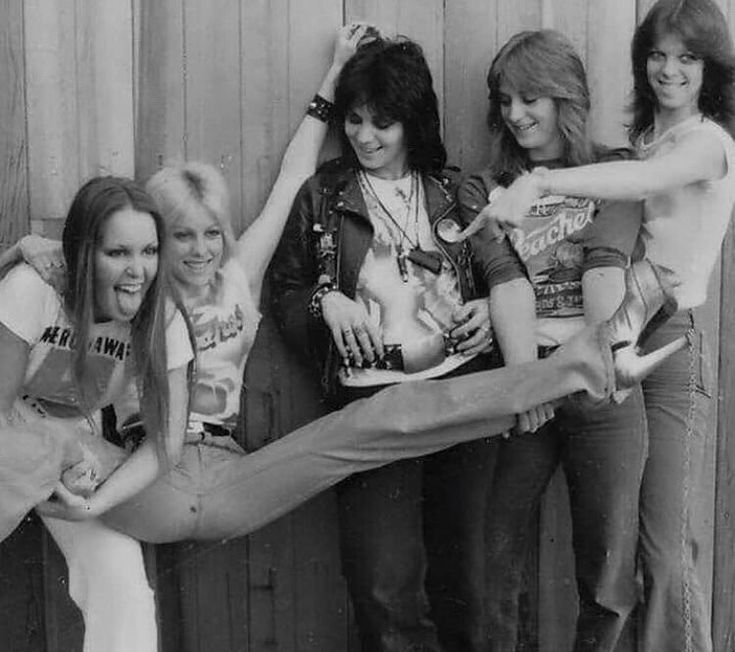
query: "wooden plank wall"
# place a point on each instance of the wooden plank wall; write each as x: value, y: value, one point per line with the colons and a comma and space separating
x: 124, y: 86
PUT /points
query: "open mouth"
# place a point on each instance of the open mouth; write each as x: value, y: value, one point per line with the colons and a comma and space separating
x: 198, y: 266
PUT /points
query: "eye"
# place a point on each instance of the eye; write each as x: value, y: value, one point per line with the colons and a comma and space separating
x: 688, y: 58
x: 214, y: 232
x: 353, y: 118
x: 383, y: 123
x: 117, y: 252
x: 504, y: 100
x: 181, y: 236
x: 151, y: 250
x: 656, y: 56
x: 529, y: 99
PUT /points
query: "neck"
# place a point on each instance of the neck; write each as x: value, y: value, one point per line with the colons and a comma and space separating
x: 665, y: 120
x: 390, y: 174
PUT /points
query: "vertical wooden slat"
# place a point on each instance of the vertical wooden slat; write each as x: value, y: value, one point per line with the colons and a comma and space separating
x: 160, y: 123
x: 22, y: 596
x: 52, y: 114
x: 724, y: 544
x: 104, y: 62
x: 14, y: 213
x: 610, y: 29
x: 470, y: 44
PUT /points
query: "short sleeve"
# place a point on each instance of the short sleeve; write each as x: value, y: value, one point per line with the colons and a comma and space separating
x: 27, y: 303
x: 178, y: 344
x: 497, y: 261
x: 611, y: 238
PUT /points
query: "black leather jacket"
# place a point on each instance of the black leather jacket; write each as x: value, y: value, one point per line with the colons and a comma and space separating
x: 326, y: 238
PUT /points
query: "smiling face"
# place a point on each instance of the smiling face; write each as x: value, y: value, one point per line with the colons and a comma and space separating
x: 675, y: 75
x: 379, y: 143
x: 533, y: 121
x: 125, y: 264
x: 194, y: 250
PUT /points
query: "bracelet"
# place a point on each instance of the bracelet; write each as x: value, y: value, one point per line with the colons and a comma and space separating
x: 320, y: 108
x: 315, y: 303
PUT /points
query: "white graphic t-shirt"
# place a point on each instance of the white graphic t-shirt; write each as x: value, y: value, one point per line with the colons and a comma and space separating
x: 683, y: 228
x: 224, y: 331
x: 33, y: 311
x: 414, y: 312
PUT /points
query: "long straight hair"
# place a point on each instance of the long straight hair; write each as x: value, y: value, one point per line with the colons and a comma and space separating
x: 704, y: 31
x: 539, y: 63
x: 95, y: 202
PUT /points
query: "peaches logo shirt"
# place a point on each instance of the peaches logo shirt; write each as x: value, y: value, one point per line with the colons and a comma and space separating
x: 550, y: 244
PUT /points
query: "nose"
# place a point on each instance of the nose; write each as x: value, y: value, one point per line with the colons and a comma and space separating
x: 670, y: 65
x: 199, y: 246
x: 136, y: 267
x: 515, y: 110
x: 364, y: 133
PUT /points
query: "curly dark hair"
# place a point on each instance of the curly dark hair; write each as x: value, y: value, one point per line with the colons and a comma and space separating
x: 540, y: 63
x: 391, y: 78
x: 703, y: 29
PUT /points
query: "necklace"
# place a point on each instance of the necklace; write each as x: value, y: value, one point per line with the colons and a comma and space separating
x: 430, y: 260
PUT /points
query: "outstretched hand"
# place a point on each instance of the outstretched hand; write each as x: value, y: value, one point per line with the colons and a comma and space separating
x: 508, y: 209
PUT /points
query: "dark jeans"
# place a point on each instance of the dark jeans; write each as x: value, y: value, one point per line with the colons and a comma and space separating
x: 412, y: 544
x: 602, y: 453
x: 677, y: 396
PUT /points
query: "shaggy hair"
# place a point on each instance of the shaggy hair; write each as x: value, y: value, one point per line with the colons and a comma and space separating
x: 392, y: 79
x: 704, y: 31
x: 541, y: 63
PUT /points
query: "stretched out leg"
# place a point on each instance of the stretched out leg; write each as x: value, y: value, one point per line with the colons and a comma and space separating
x: 407, y: 420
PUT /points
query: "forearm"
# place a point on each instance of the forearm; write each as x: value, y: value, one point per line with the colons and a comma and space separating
x: 602, y: 290
x: 136, y: 473
x: 513, y: 318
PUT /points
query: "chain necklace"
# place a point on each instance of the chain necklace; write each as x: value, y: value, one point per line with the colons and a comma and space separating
x: 430, y: 260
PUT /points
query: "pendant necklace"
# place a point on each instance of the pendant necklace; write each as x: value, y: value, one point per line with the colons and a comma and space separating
x: 430, y: 260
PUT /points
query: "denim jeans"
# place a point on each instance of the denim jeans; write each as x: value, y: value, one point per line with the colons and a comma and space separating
x: 395, y: 519
x: 677, y: 396
x: 602, y: 453
x: 241, y: 493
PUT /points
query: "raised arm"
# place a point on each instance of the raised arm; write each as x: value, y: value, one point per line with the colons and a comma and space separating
x: 257, y: 244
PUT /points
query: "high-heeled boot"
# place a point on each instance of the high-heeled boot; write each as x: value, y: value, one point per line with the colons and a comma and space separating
x: 648, y: 302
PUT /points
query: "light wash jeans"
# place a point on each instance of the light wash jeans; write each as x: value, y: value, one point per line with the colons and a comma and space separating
x: 677, y: 398
x: 218, y: 492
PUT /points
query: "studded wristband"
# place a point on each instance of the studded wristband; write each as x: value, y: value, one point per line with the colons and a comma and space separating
x: 315, y: 303
x: 320, y: 108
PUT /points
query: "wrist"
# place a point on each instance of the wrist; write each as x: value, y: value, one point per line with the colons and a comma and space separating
x: 321, y: 109
x: 542, y: 181
x: 317, y: 298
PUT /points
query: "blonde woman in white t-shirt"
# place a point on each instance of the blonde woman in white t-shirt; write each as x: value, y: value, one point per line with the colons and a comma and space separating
x: 683, y: 123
